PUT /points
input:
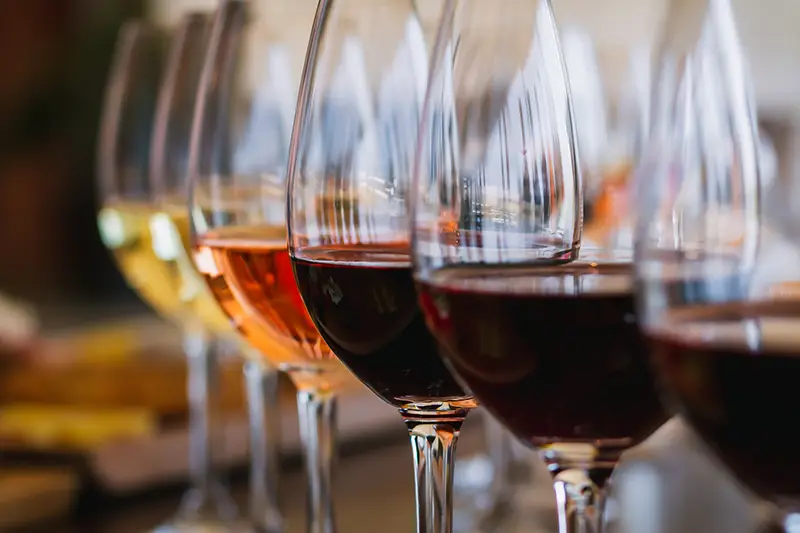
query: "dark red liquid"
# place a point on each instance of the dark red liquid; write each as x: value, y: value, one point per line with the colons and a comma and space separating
x: 554, y: 352
x: 364, y: 302
x: 734, y: 372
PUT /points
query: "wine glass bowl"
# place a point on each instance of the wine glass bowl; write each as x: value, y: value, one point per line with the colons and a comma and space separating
x: 497, y: 262
x: 251, y: 276
x: 363, y: 299
x: 719, y: 311
x: 123, y: 162
x: 169, y: 222
x: 238, y: 194
x: 509, y: 332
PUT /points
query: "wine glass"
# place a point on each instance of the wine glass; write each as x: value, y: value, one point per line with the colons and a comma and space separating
x: 170, y: 229
x: 349, y: 173
x: 238, y: 153
x: 718, y: 275
x: 541, y: 330
x: 145, y: 252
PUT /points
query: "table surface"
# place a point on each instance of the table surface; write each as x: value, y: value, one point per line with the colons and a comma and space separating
x: 666, y: 485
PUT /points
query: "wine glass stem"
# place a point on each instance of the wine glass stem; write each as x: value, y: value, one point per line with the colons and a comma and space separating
x: 317, y: 416
x: 206, y: 494
x: 579, y: 502
x: 433, y: 445
x: 265, y: 422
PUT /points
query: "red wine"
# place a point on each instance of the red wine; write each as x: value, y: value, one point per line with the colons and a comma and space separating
x: 363, y: 301
x: 553, y: 351
x: 733, y: 370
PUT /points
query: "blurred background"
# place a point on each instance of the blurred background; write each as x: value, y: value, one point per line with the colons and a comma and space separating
x: 54, y: 60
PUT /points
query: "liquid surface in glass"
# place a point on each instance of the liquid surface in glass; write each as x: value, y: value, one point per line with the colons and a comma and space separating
x: 151, y: 249
x: 733, y: 370
x: 363, y: 299
x: 252, y: 279
x: 563, y: 337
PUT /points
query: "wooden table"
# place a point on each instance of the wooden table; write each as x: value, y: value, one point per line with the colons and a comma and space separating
x: 359, y: 503
x: 666, y: 486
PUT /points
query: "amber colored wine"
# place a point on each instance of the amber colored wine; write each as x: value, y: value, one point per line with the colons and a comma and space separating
x: 255, y: 285
x: 258, y: 334
x: 732, y: 371
x: 151, y: 249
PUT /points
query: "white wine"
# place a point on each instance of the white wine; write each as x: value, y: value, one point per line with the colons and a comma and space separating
x: 152, y: 250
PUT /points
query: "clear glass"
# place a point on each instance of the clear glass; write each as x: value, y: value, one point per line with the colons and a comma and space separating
x: 349, y: 176
x: 262, y: 382
x: 717, y: 252
x: 170, y: 228
x: 528, y: 288
x: 145, y: 252
x: 240, y: 137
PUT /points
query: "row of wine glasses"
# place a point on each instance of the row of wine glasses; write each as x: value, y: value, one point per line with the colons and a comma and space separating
x: 342, y: 300
x: 457, y: 175
x: 490, y: 227
x: 145, y: 221
x: 142, y: 156
x: 418, y: 209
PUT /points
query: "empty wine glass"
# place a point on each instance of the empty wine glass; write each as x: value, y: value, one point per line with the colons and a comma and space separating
x: 719, y: 279
x: 169, y: 225
x: 130, y: 229
x: 349, y: 177
x: 542, y: 331
x: 238, y: 153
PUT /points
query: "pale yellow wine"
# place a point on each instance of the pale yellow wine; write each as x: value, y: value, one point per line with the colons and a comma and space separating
x: 152, y: 250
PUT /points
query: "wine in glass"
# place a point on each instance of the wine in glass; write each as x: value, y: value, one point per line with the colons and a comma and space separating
x: 170, y: 227
x: 719, y: 275
x: 349, y: 174
x: 542, y: 331
x: 140, y: 143
x: 237, y: 162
